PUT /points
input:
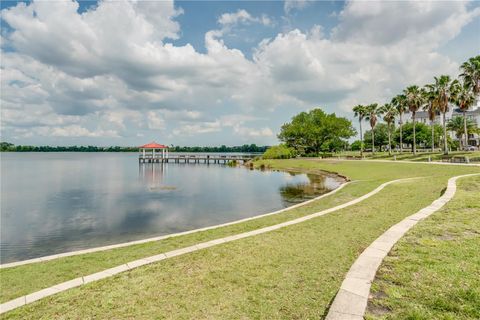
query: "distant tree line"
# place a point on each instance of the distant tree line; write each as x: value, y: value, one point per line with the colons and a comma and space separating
x: 10, y: 147
x: 246, y: 148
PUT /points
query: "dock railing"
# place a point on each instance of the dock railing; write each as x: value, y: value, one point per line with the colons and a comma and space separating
x: 195, y: 158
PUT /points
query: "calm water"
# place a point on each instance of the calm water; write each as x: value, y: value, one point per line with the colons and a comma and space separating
x: 59, y: 202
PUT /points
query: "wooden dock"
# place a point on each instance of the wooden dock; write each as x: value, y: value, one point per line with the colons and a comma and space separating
x: 194, y: 158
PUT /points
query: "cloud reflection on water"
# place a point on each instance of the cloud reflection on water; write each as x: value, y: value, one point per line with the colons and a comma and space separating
x: 54, y: 203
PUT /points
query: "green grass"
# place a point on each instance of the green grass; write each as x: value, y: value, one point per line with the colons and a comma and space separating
x: 290, y: 273
x: 409, y: 156
x: 434, y: 271
x: 22, y: 280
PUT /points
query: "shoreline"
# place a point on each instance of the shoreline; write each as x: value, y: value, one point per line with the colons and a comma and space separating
x: 323, y: 248
x: 342, y: 179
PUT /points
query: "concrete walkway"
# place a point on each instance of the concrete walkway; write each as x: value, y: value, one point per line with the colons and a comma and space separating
x: 131, y: 243
x: 13, y: 304
x: 351, y: 300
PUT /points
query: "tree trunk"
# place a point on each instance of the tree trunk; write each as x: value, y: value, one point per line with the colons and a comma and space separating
x: 433, y: 137
x: 414, y: 138
x: 361, y: 139
x: 465, y: 128
x: 373, y: 141
x: 389, y: 141
x: 445, y: 145
x: 401, y: 134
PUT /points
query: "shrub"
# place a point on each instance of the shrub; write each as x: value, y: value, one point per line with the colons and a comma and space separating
x: 279, y: 152
x: 356, y: 145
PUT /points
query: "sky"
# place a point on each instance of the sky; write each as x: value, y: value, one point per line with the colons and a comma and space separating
x: 213, y: 72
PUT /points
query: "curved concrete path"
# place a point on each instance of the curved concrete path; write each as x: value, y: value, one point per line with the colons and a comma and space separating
x: 351, y: 300
x: 13, y: 304
x: 130, y: 243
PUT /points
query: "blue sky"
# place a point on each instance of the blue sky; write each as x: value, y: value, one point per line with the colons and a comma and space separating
x: 213, y: 72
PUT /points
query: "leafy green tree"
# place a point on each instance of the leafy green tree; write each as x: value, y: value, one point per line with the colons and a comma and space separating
x: 381, y: 137
x: 360, y: 112
x: 356, y: 145
x: 418, y: 135
x: 437, y: 136
x: 457, y: 126
x: 315, y: 131
x: 5, y: 146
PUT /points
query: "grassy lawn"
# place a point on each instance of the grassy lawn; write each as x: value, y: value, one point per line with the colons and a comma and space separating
x: 434, y: 271
x: 290, y: 273
x: 420, y: 156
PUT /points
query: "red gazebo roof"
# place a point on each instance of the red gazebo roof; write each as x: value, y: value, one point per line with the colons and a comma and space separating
x: 153, y: 145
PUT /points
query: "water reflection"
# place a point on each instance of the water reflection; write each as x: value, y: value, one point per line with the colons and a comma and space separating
x: 293, y: 193
x: 151, y: 175
x: 59, y: 202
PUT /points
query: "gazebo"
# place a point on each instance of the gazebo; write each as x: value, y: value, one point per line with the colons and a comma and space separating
x: 153, y: 152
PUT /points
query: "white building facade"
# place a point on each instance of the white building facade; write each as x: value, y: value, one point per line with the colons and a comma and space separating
x: 472, y: 114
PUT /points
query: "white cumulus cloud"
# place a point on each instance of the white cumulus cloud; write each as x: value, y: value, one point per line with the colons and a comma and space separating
x: 112, y: 71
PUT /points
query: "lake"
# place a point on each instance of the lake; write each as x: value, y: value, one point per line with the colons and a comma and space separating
x: 59, y: 202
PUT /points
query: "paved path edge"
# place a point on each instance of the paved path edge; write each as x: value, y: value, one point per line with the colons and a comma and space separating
x: 352, y: 297
x: 131, y: 243
x: 29, y: 298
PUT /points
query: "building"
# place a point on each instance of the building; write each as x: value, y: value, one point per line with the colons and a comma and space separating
x: 472, y: 114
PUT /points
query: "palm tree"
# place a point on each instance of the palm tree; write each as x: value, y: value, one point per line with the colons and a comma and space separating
x: 400, y: 103
x: 431, y: 106
x: 389, y: 112
x: 360, y: 112
x: 372, y: 112
x: 457, y: 126
x: 444, y: 91
x: 471, y: 74
x: 464, y: 99
x: 414, y: 99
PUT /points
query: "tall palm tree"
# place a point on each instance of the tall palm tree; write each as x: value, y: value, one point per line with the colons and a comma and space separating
x: 414, y: 97
x: 372, y: 116
x: 431, y: 106
x: 444, y: 90
x: 464, y: 99
x: 400, y: 103
x: 389, y: 114
x: 456, y: 125
x: 471, y: 74
x: 360, y: 112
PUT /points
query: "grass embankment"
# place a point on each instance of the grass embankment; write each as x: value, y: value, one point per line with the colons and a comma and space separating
x: 292, y: 273
x: 434, y: 271
x: 409, y: 156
